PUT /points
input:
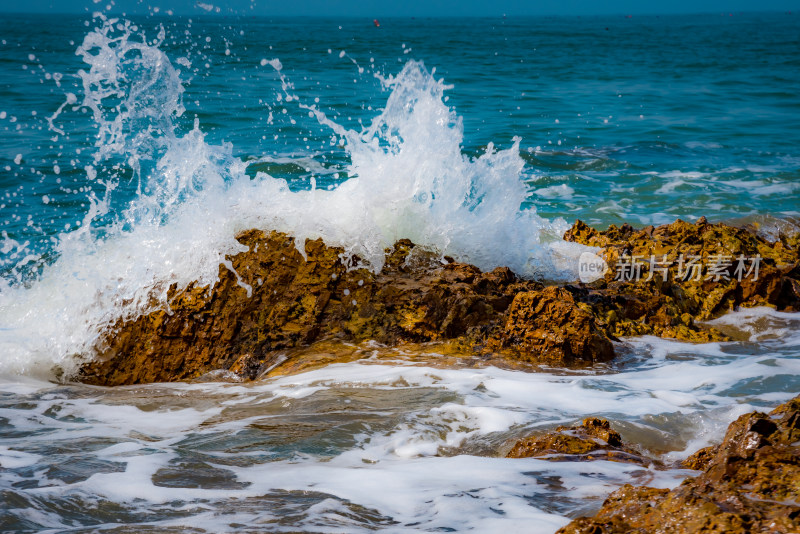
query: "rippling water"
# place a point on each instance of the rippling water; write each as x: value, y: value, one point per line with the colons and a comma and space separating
x: 642, y: 119
x: 134, y: 149
x: 368, y: 445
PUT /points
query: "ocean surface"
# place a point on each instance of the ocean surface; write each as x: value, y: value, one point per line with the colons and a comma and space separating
x: 133, y: 148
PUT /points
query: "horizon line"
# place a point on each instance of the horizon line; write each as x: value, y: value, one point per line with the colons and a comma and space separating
x: 389, y: 17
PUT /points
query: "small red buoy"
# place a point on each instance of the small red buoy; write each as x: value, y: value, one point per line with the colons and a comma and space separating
x: 376, y: 23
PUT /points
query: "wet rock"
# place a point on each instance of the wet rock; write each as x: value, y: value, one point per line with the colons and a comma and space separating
x: 750, y: 483
x: 547, y: 325
x: 700, y: 459
x: 675, y: 305
x: 272, y: 299
x: 593, y: 439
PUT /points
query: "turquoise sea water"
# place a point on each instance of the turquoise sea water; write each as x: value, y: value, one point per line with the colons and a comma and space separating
x: 640, y: 120
x: 134, y: 148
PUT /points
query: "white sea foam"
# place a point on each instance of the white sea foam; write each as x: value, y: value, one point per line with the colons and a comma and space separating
x: 556, y: 191
x: 398, y: 441
x: 416, y: 446
x: 691, y: 175
x: 409, y: 179
x: 761, y: 324
x: 11, y: 459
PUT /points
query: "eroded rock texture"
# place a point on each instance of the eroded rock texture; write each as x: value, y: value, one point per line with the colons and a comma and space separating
x: 274, y: 300
x: 750, y: 483
x: 548, y: 325
x: 296, y: 301
x: 672, y: 306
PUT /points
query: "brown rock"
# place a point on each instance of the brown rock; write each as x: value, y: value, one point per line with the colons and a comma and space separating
x: 750, y: 483
x: 593, y: 439
x: 548, y: 325
x: 585, y: 234
x: 673, y: 306
x: 272, y: 299
x: 701, y: 458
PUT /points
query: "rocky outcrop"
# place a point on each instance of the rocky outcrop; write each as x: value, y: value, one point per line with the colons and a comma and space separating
x: 636, y: 298
x: 750, y: 483
x: 593, y: 439
x: 272, y: 301
x: 549, y: 326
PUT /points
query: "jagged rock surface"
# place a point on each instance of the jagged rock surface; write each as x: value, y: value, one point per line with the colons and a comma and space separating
x: 750, y: 483
x: 673, y: 307
x: 548, y: 326
x: 296, y: 301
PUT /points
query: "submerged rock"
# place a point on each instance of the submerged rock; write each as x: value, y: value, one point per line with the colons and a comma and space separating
x: 750, y: 483
x: 593, y: 439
